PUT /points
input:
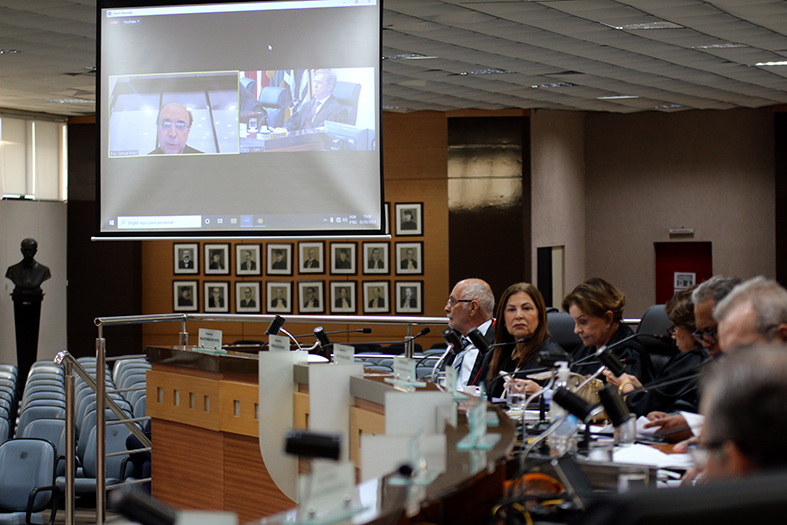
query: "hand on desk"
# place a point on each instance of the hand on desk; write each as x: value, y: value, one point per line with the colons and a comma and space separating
x: 672, y: 428
x: 523, y: 385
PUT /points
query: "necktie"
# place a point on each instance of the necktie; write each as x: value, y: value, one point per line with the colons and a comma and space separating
x: 310, y: 116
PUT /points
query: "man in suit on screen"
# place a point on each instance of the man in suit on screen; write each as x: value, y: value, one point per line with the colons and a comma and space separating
x: 323, y: 106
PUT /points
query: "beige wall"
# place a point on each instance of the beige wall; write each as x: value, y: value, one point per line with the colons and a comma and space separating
x: 558, y: 188
x: 647, y: 172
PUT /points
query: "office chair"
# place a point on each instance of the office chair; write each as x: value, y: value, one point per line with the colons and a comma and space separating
x: 275, y: 101
x: 348, y: 93
x: 27, y: 474
x: 561, y: 328
x: 655, y: 321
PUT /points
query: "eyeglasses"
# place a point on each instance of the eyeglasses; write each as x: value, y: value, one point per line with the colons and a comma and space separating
x: 166, y: 124
x: 452, y: 302
x: 700, y: 336
x: 671, y: 331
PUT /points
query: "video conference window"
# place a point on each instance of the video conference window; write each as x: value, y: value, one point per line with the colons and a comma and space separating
x: 173, y: 114
x: 246, y: 118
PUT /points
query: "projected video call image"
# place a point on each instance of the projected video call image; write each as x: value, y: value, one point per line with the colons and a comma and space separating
x: 174, y: 114
x: 307, y: 110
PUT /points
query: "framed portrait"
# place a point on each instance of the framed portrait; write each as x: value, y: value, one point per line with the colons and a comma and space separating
x: 343, y: 258
x: 279, y: 257
x: 248, y: 297
x: 409, y: 258
x: 409, y: 297
x: 311, y: 299
x: 409, y: 218
x: 216, y: 296
x: 185, y: 296
x: 375, y: 297
x: 375, y: 258
x: 311, y: 257
x: 217, y: 259
x: 248, y: 259
x: 279, y: 297
x: 186, y: 258
x: 343, y: 297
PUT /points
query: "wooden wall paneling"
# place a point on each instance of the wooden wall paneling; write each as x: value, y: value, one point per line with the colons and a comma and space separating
x: 246, y: 474
x: 176, y: 480
x: 169, y: 397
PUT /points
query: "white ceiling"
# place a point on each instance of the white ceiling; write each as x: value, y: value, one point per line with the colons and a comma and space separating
x: 705, y: 63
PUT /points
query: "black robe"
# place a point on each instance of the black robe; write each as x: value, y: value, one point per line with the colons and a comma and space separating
x: 685, y: 365
x: 494, y: 388
x: 630, y: 353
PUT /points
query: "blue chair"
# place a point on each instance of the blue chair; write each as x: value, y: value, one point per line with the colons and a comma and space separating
x: 27, y: 475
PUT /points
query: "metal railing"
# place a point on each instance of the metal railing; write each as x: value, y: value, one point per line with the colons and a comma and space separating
x: 102, y: 401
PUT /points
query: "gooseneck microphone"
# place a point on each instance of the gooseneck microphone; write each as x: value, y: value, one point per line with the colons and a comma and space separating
x: 358, y: 330
x: 322, y: 337
x: 275, y: 326
x: 453, y: 341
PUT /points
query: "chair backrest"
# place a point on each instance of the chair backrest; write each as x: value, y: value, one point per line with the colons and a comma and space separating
x: 275, y: 100
x: 48, y: 429
x: 25, y: 464
x: 561, y: 328
x: 140, y: 407
x: 655, y: 322
x: 115, y: 442
x: 5, y: 430
x: 50, y: 412
x: 348, y: 93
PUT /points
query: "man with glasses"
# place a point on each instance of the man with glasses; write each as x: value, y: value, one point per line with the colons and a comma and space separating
x: 470, y: 305
x: 754, y: 312
x: 746, y: 416
x: 173, y: 124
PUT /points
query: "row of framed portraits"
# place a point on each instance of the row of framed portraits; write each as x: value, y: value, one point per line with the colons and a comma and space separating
x: 375, y: 297
x: 311, y: 258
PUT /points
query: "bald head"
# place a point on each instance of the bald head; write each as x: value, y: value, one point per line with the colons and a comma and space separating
x: 470, y: 305
x: 174, y: 123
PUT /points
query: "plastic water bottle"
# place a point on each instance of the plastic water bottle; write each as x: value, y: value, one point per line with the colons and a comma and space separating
x: 564, y: 439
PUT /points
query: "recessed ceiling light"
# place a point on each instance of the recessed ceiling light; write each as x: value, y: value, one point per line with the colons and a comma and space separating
x: 8, y: 51
x: 486, y: 72
x: 670, y: 106
x: 649, y: 25
x: 408, y: 56
x: 69, y: 101
x: 779, y: 63
x: 719, y: 46
x: 555, y: 85
x: 616, y: 97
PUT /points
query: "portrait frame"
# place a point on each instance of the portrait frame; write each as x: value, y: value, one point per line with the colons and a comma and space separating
x: 256, y: 287
x: 223, y: 251
x: 336, y: 250
x: 318, y: 288
x: 412, y: 225
x: 303, y: 259
x: 368, y: 297
x: 336, y: 287
x: 271, y: 297
x: 272, y: 249
x: 402, y: 265
x: 177, y: 289
x: 178, y: 250
x: 368, y: 261
x: 417, y: 288
x: 256, y: 259
x: 208, y: 287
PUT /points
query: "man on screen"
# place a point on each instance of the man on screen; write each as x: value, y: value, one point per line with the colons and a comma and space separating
x: 173, y: 125
x: 323, y: 106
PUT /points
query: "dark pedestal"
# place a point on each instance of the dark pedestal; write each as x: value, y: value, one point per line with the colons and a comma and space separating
x: 27, y: 319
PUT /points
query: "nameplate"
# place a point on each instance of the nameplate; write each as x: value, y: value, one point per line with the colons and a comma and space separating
x: 343, y: 354
x: 210, y: 339
x: 278, y: 343
x: 404, y: 368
